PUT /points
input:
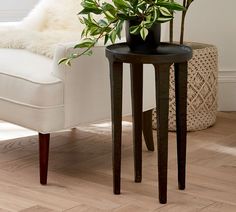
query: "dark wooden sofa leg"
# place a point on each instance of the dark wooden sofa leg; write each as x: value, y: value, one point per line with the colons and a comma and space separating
x: 147, y: 130
x: 43, y: 156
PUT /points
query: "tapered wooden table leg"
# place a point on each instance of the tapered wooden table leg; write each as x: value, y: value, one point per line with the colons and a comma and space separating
x: 147, y: 130
x: 116, y: 75
x: 162, y: 102
x: 137, y: 105
x: 181, y: 120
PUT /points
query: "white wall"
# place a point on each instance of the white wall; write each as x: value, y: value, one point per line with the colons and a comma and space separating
x: 208, y: 21
x: 14, y: 10
x: 214, y: 22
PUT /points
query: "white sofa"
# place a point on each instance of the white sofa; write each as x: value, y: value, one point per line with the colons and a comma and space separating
x: 39, y: 94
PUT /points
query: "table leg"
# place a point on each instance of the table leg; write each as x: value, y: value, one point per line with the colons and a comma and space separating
x: 162, y: 102
x: 181, y: 120
x: 116, y: 75
x: 137, y: 109
x: 147, y: 129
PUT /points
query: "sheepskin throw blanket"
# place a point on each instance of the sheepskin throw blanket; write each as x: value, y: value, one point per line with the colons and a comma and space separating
x: 49, y: 23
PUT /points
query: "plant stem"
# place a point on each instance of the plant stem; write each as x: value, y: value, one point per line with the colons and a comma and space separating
x: 186, y: 4
x: 182, y: 28
x: 183, y: 23
x: 171, y: 30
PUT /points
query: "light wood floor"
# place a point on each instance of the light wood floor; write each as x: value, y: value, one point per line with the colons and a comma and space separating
x: 80, y: 176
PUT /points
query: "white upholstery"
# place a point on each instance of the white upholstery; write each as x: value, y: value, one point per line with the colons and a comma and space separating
x: 37, y: 93
x: 21, y: 70
x: 29, y: 94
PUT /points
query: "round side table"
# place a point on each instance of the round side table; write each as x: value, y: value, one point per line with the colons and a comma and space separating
x: 162, y: 58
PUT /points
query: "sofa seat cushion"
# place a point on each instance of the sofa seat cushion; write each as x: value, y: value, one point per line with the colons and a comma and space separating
x: 26, y: 78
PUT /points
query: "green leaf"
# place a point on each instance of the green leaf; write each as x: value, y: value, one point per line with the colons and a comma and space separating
x: 108, y: 7
x: 134, y: 30
x: 155, y: 15
x: 92, y: 20
x: 86, y: 21
x: 106, y: 39
x: 123, y: 16
x: 109, y: 16
x: 119, y: 27
x: 170, y: 5
x: 81, y: 20
x: 89, y: 52
x: 164, y: 19
x: 65, y: 61
x: 102, y: 23
x: 90, y: 10
x: 134, y: 3
x: 113, y: 36
x: 83, y: 45
x: 95, y: 30
x: 148, y: 25
x: 144, y: 33
x: 87, y: 42
x: 121, y: 4
x: 84, y: 32
x: 90, y: 6
x: 142, y: 6
x: 62, y: 60
x: 165, y: 12
x: 68, y: 62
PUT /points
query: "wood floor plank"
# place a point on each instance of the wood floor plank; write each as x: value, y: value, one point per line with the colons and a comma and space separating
x: 80, y: 172
x: 130, y: 207
x: 219, y: 207
x: 86, y: 208
x: 38, y: 208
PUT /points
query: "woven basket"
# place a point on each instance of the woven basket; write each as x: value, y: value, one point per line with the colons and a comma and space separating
x: 202, y: 89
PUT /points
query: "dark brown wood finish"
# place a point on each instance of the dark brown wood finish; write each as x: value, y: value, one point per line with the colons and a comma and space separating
x: 181, y: 126
x: 165, y: 53
x: 162, y: 58
x: 162, y: 104
x: 147, y: 130
x: 43, y: 157
x: 116, y: 74
x: 137, y: 105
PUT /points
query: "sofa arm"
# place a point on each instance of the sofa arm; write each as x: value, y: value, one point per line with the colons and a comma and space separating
x: 87, y: 86
x: 65, y: 49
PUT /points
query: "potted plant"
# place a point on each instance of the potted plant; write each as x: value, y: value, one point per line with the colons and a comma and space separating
x: 202, y: 82
x: 105, y: 19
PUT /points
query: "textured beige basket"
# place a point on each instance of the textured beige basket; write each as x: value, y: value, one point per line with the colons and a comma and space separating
x: 202, y: 89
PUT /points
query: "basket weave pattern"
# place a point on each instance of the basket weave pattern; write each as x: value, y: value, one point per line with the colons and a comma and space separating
x: 202, y: 91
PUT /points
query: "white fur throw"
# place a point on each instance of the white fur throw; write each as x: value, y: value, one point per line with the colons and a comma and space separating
x: 49, y: 23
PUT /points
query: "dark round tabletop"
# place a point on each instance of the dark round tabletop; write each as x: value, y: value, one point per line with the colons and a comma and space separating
x: 165, y: 53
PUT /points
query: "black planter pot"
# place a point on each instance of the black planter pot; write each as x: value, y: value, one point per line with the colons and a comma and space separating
x: 137, y: 44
